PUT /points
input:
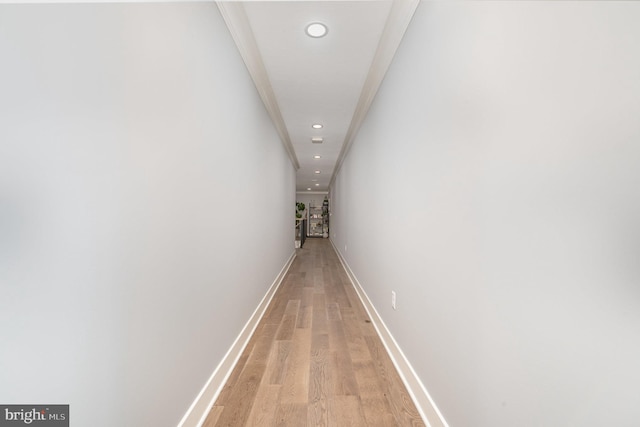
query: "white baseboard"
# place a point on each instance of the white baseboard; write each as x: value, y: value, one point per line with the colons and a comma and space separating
x: 419, y: 394
x: 199, y: 409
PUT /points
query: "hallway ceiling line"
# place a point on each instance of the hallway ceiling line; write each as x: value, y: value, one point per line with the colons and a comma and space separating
x: 236, y: 19
x: 397, y: 23
x: 330, y: 80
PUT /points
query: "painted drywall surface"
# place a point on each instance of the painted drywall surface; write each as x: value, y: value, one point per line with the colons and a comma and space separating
x: 495, y: 187
x: 134, y: 152
x: 309, y: 200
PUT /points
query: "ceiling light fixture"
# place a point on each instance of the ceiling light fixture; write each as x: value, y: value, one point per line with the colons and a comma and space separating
x: 317, y: 157
x: 317, y: 140
x: 317, y: 172
x: 317, y: 185
x: 316, y: 126
x: 316, y: 30
x: 308, y: 188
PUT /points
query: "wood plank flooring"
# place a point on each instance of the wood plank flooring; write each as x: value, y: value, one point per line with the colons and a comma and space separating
x: 315, y: 358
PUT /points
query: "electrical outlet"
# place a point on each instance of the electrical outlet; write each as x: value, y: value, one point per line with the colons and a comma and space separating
x: 393, y: 299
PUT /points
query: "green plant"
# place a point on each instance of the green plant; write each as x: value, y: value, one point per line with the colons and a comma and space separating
x: 300, y: 206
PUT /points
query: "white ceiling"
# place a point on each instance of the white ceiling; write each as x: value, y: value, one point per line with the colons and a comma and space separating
x: 329, y: 80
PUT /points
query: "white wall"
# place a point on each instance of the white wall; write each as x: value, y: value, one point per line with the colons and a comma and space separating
x: 134, y: 152
x: 495, y: 185
x: 311, y: 199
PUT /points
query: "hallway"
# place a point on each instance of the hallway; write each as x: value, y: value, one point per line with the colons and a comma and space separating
x: 315, y: 358
x: 151, y: 156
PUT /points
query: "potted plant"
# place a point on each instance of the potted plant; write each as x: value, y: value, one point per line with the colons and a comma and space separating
x: 300, y: 207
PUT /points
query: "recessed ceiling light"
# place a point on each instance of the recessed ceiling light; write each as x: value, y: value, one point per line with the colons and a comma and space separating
x: 316, y: 30
x: 316, y: 126
x: 314, y: 180
x: 308, y: 188
x: 317, y: 140
x: 317, y: 172
x: 317, y: 185
x: 317, y: 157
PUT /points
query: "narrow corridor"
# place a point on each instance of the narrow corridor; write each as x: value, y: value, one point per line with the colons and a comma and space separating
x: 315, y: 358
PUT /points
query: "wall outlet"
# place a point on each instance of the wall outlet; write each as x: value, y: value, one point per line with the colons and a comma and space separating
x: 393, y: 299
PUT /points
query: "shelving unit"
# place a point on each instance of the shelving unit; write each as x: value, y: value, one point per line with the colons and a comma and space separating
x: 325, y: 218
x: 316, y: 221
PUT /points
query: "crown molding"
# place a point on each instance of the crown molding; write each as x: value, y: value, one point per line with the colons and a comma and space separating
x: 237, y: 22
x: 397, y: 23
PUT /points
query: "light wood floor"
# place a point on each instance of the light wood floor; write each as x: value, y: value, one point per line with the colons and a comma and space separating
x: 315, y: 358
